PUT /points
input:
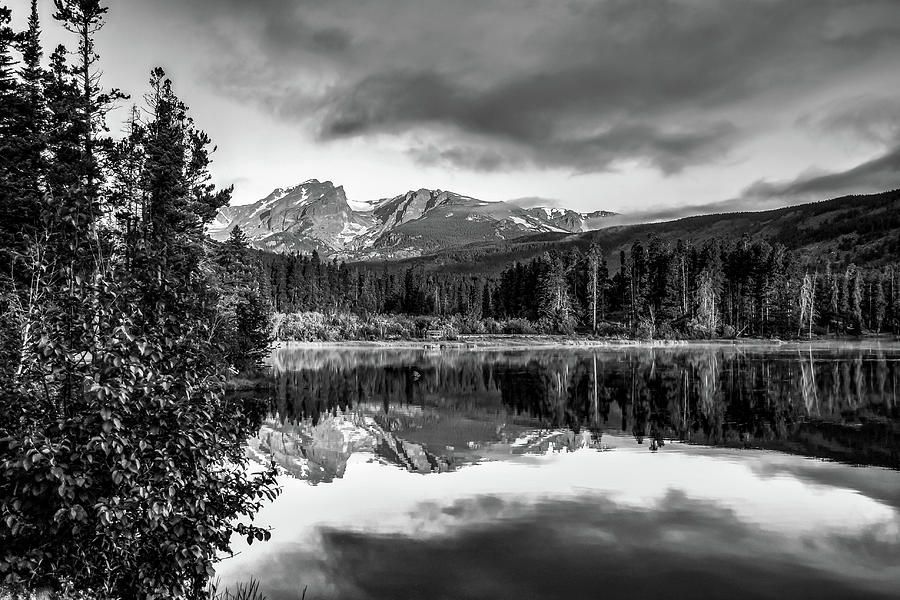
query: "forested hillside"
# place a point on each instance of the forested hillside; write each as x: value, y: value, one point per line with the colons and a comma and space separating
x: 862, y: 230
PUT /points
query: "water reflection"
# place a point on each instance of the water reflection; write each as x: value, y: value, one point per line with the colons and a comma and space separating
x: 621, y: 473
x: 434, y: 411
x: 685, y: 523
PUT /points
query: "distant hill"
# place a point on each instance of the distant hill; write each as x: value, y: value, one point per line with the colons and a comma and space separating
x: 861, y: 229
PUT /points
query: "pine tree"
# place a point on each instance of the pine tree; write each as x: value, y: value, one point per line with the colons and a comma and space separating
x: 9, y: 97
x: 834, y: 298
x: 807, y: 303
x: 243, y: 314
x: 879, y: 302
x: 594, y: 285
x: 19, y: 142
x: 855, y: 301
x: 84, y: 18
x: 638, y: 278
x: 894, y: 301
x: 708, y: 304
x: 487, y: 304
x: 555, y: 301
x: 33, y: 124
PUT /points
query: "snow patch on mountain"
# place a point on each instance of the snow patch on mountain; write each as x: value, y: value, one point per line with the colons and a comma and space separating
x: 317, y: 215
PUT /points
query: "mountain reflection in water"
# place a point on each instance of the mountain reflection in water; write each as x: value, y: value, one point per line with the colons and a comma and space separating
x: 432, y: 411
x: 575, y: 473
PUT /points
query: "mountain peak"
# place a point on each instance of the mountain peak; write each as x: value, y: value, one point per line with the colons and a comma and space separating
x: 316, y: 215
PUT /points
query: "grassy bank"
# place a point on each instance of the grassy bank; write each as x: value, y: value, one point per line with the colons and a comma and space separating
x: 337, y: 327
x: 399, y: 329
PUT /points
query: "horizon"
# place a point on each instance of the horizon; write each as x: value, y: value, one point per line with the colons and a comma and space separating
x: 626, y: 107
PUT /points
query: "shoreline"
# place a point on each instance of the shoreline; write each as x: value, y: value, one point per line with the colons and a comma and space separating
x: 523, y: 342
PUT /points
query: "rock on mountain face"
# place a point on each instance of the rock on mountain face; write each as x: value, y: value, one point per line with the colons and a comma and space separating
x: 421, y: 221
x: 311, y: 216
x: 316, y: 215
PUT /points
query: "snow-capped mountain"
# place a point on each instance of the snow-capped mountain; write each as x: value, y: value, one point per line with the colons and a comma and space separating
x: 311, y: 216
x: 316, y: 215
x: 569, y: 220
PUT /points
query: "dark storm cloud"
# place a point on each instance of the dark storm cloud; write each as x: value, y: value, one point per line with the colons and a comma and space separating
x: 518, y: 143
x: 880, y: 173
x: 579, y: 85
x: 876, y: 175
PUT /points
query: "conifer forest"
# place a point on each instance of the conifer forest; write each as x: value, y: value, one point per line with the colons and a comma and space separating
x: 742, y: 288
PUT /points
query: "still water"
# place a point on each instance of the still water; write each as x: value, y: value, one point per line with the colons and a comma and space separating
x: 624, y: 472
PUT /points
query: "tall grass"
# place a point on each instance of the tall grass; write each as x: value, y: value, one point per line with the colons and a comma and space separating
x: 242, y: 591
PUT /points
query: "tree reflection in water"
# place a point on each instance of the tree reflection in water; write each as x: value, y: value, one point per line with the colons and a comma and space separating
x: 432, y: 411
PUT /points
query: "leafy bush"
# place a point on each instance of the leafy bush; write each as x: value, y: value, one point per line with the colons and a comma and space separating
x: 644, y: 330
x: 519, y: 326
x: 140, y: 466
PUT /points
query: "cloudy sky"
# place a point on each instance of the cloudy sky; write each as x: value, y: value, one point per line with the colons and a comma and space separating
x: 626, y: 105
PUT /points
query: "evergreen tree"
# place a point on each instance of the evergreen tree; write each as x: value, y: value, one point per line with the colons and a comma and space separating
x: 834, y: 298
x: 879, y: 302
x: 807, y: 303
x: 594, y: 284
x: 242, y: 311
x: 555, y: 302
x: 487, y: 305
x: 20, y: 138
x: 855, y: 302
x: 707, y: 301
x: 894, y: 299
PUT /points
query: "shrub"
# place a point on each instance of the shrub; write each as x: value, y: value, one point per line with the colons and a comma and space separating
x: 140, y: 466
x: 519, y: 326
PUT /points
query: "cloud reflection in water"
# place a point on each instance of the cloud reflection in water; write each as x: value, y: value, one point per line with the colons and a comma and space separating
x: 690, y: 522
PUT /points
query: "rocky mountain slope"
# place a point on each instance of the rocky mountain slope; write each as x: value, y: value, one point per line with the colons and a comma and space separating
x: 311, y: 216
x: 571, y: 221
x: 316, y: 215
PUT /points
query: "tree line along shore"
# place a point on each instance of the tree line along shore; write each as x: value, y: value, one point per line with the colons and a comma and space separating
x: 720, y: 289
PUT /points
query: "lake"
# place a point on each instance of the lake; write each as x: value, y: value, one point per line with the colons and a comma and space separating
x: 716, y: 471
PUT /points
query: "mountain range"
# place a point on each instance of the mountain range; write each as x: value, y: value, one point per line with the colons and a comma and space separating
x: 441, y: 229
x: 315, y: 215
